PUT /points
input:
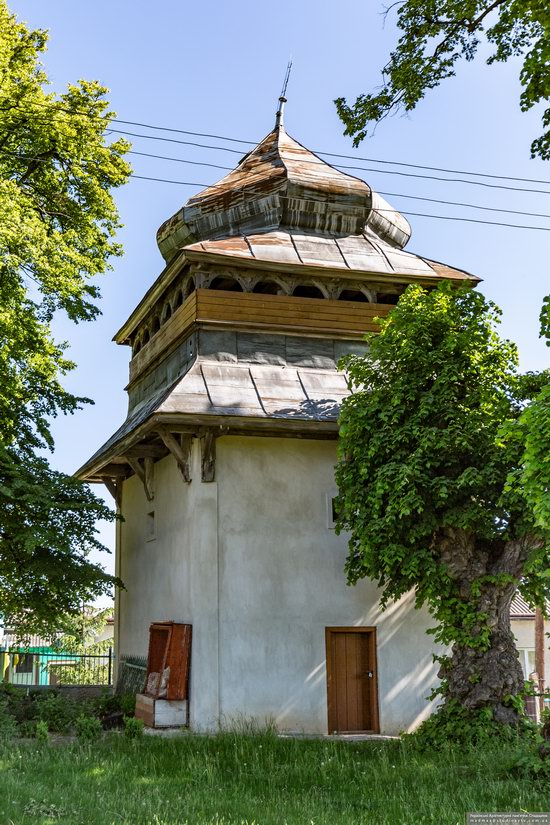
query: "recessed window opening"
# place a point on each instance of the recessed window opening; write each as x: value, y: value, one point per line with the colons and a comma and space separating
x: 227, y: 284
x: 307, y: 291
x: 137, y: 346
x: 155, y: 325
x: 167, y: 313
x: 189, y: 288
x: 267, y: 288
x: 352, y: 295
x: 388, y: 298
x: 150, y: 530
x: 179, y: 299
x: 146, y: 337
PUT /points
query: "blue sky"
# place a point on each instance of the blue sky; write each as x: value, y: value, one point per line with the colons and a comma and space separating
x: 218, y: 67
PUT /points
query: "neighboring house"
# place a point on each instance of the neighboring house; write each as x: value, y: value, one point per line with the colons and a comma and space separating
x: 522, y: 619
x: 41, y: 662
x: 32, y: 663
x: 224, y: 468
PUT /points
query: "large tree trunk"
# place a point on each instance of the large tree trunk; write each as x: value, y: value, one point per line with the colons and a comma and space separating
x: 485, y: 678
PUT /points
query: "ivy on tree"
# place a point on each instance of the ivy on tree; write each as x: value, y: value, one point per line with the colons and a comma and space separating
x: 57, y: 227
x: 444, y: 485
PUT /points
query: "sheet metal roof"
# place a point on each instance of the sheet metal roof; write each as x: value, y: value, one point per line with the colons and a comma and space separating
x: 255, y: 392
x: 278, y: 184
x: 364, y: 253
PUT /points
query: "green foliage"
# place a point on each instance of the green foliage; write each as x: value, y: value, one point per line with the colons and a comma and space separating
x: 440, y: 466
x: 8, y: 725
x: 133, y: 728
x: 422, y: 452
x: 128, y: 704
x: 57, y: 712
x: 88, y: 728
x: 27, y: 728
x: 57, y: 223
x: 437, y: 34
x: 42, y: 730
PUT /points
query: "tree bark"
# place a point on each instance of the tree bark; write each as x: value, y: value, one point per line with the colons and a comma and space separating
x: 485, y: 678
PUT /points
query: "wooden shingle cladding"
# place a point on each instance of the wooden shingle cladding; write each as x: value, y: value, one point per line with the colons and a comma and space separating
x: 265, y: 313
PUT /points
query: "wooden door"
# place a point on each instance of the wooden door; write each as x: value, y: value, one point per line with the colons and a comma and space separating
x: 351, y: 680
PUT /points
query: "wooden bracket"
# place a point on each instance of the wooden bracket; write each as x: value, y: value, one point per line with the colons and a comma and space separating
x: 115, y: 488
x: 180, y: 451
x: 144, y: 474
x: 208, y: 456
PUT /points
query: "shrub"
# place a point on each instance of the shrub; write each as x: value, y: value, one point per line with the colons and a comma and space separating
x: 42, y: 731
x: 88, y: 728
x: 27, y: 728
x: 128, y: 704
x: 133, y: 728
x: 57, y: 712
x: 8, y: 725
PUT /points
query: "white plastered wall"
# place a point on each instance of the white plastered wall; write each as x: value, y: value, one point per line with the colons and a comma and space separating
x: 251, y: 562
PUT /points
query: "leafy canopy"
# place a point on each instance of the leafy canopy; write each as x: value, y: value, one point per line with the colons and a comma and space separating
x: 435, y: 448
x: 436, y: 34
x: 57, y: 227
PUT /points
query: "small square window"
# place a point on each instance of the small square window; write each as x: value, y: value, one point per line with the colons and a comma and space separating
x: 151, y: 527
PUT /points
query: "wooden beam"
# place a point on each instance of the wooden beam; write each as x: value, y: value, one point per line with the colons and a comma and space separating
x: 113, y: 471
x: 140, y: 472
x: 115, y: 488
x: 180, y: 451
x: 147, y: 451
x: 149, y: 466
x: 208, y: 456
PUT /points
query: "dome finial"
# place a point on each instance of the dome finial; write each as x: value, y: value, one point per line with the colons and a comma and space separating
x: 279, y: 121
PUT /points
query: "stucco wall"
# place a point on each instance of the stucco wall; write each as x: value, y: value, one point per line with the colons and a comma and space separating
x: 282, y: 583
x: 257, y: 541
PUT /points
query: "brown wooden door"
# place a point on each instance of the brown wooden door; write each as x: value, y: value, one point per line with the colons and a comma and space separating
x: 351, y: 680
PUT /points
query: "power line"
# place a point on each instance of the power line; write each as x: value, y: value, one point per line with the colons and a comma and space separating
x: 214, y: 186
x: 318, y: 151
x: 416, y: 214
x: 386, y: 194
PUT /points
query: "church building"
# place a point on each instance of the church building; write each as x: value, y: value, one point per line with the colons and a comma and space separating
x: 224, y: 468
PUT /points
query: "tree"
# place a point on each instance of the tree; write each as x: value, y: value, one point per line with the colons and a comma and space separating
x: 436, y: 34
x: 434, y: 488
x: 57, y: 226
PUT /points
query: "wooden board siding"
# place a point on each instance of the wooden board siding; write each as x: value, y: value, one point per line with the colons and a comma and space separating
x: 251, y: 311
x: 351, y: 691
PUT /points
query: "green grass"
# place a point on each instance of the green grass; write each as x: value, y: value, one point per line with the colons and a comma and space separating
x: 233, y: 779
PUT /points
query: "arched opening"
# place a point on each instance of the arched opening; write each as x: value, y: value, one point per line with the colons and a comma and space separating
x: 189, y: 288
x: 227, y: 284
x: 167, y: 313
x: 146, y: 337
x: 179, y: 299
x: 155, y: 326
x: 352, y: 295
x: 137, y: 346
x: 387, y: 298
x: 267, y: 288
x: 307, y: 291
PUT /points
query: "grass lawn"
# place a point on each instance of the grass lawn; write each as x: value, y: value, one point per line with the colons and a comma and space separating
x: 232, y: 779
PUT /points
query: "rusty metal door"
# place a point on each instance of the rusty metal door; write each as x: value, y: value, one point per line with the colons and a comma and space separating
x: 351, y: 680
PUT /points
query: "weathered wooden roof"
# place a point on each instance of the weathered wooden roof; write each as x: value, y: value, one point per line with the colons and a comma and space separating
x: 280, y: 183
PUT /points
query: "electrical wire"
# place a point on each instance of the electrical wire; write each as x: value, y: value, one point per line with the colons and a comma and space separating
x: 317, y: 151
x: 388, y: 194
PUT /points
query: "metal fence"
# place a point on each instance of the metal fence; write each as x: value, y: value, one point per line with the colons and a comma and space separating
x: 47, y: 667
